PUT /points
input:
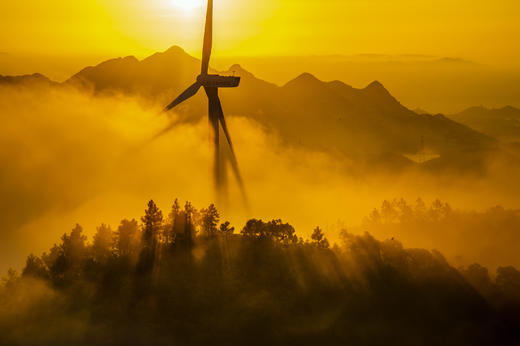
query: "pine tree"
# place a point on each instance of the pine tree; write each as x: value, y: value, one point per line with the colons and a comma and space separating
x: 152, y: 225
x: 190, y: 214
x: 11, y: 279
x: 35, y: 267
x: 175, y: 210
x: 209, y: 220
x: 103, y: 244
x: 172, y: 224
x: 74, y: 246
x: 127, y: 238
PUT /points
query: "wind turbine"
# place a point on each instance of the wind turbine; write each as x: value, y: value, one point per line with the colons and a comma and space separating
x: 211, y: 84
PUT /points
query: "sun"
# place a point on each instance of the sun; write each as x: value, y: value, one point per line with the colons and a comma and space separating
x: 187, y: 5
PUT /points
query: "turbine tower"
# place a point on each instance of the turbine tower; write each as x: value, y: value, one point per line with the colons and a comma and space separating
x: 211, y: 84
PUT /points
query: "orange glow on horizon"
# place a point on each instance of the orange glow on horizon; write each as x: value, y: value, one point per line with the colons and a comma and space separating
x: 481, y: 31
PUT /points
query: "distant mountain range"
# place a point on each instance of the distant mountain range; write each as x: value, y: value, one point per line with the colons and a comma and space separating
x: 33, y: 79
x: 367, y: 122
x: 502, y: 123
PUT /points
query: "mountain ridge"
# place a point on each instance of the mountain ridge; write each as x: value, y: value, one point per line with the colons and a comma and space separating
x: 35, y: 78
x: 502, y: 123
x: 305, y: 111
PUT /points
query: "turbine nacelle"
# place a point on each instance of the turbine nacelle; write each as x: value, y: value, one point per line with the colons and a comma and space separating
x: 217, y: 81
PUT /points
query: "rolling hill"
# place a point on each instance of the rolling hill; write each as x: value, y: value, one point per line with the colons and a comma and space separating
x: 502, y: 123
x: 33, y: 80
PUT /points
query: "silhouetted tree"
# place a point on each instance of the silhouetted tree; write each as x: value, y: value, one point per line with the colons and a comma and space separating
x: 508, y: 282
x: 127, y: 238
x: 374, y: 218
x: 319, y: 239
x: 282, y: 232
x: 74, y: 245
x: 175, y: 209
x: 274, y: 230
x: 67, y: 260
x: 420, y: 208
x: 52, y: 256
x: 35, y: 267
x: 209, y: 221
x: 404, y: 211
x: 170, y: 233
x: 478, y: 276
x: 388, y: 212
x: 152, y: 225
x: 226, y: 229
x: 254, y: 229
x: 190, y: 220
x: 102, y: 245
x: 10, y: 279
x: 283, y: 290
x: 439, y: 210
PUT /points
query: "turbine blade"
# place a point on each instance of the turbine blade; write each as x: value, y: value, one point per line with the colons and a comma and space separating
x: 225, y: 128
x: 191, y: 91
x: 234, y: 161
x: 213, y: 119
x: 162, y: 132
x: 208, y: 39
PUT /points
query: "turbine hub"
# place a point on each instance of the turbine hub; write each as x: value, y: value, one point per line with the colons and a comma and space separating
x: 217, y: 81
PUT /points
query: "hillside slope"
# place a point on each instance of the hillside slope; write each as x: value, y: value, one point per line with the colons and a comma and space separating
x: 306, y: 111
x: 502, y: 123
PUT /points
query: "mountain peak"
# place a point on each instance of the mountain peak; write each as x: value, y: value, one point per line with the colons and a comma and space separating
x: 305, y: 79
x: 236, y: 67
x: 173, y: 55
x: 238, y: 70
x: 175, y: 50
x: 376, y: 88
x: 130, y: 59
x: 375, y: 85
x: 126, y: 60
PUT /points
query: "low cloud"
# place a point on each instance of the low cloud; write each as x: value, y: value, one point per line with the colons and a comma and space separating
x: 66, y: 157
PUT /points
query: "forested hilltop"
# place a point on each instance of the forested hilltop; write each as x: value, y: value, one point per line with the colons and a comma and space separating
x: 186, y: 278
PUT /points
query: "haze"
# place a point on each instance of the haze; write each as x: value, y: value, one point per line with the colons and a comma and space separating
x: 376, y: 155
x: 475, y: 30
x: 439, y: 56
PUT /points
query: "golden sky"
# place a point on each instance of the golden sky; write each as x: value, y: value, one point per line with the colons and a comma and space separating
x: 480, y: 30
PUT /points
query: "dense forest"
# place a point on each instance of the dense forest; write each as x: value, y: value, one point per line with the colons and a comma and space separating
x: 188, y: 278
x: 490, y: 236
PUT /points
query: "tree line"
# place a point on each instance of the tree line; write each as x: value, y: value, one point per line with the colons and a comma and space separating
x: 144, y: 243
x: 190, y: 278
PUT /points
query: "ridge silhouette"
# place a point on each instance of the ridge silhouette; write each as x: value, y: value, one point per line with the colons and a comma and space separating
x: 501, y: 123
x: 361, y: 123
